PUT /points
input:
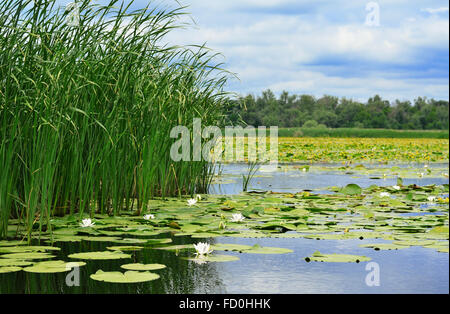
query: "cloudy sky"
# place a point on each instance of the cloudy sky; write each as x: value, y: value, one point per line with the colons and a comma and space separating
x: 317, y: 47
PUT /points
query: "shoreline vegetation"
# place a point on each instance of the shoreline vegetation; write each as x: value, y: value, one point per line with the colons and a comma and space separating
x: 362, y: 133
x: 307, y: 111
x: 86, y: 110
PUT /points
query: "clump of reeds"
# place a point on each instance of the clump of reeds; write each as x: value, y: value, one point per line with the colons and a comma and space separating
x: 86, y: 110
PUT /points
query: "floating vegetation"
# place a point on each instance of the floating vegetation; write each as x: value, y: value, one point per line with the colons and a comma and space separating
x: 125, y: 248
x: 231, y: 247
x: 257, y: 249
x: 144, y: 267
x: 362, y: 150
x: 53, y: 267
x: 7, y: 262
x: 363, y: 214
x: 105, y: 255
x: 385, y: 246
x: 395, y: 215
x: 127, y: 277
x: 24, y: 249
x: 27, y: 256
x: 336, y: 258
x: 351, y: 189
x: 9, y: 269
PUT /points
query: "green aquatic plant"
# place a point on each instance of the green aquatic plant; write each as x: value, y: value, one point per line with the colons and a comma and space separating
x: 336, y: 258
x: 9, y: 269
x: 86, y: 109
x: 53, y: 267
x: 253, y: 167
x: 101, y: 255
x: 355, y: 217
x: 127, y: 277
x: 138, y: 266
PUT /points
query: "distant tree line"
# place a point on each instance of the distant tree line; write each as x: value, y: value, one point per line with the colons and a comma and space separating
x: 334, y: 112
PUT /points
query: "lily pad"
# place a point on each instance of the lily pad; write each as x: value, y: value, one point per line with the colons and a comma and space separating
x: 337, y: 258
x: 100, y: 239
x: 230, y: 247
x: 257, y: 249
x: 414, y: 242
x: 24, y: 249
x: 53, y: 267
x: 440, y: 246
x: 27, y: 255
x: 351, y: 189
x: 100, y: 255
x: 129, y: 241
x: 66, y: 238
x: 205, y: 235
x: 7, y: 262
x: 12, y: 243
x: 138, y: 266
x: 384, y: 246
x: 9, y: 269
x: 127, y: 277
x: 125, y: 248
x: 157, y: 241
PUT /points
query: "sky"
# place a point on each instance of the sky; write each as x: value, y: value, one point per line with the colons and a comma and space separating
x: 398, y: 49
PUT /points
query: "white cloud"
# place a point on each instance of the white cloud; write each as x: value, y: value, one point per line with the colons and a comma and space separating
x: 437, y: 10
x: 323, y: 47
x: 289, y: 40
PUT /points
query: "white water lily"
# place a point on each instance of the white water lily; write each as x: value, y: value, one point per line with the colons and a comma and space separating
x: 384, y: 194
x: 445, y: 174
x: 192, y: 201
x: 396, y: 187
x: 202, y: 249
x: 237, y: 218
x: 431, y: 198
x: 87, y: 223
x: 421, y: 174
x: 149, y: 216
x: 425, y: 166
x: 198, y: 197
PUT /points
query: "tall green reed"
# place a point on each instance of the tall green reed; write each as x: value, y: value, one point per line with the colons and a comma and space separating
x: 86, y: 110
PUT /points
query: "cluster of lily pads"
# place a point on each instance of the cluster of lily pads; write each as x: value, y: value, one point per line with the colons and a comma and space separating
x: 363, y: 149
x: 376, y: 172
x: 404, y: 215
x: 373, y: 171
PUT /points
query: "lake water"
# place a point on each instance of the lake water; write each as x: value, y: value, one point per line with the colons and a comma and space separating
x: 412, y: 270
x: 291, y: 180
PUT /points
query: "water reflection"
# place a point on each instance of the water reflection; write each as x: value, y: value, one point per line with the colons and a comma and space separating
x: 179, y: 277
x: 413, y: 270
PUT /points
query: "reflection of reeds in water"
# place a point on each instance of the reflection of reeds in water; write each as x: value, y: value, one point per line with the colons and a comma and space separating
x: 86, y: 111
x: 179, y: 276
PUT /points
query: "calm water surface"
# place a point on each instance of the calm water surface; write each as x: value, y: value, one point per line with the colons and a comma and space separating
x: 412, y: 270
